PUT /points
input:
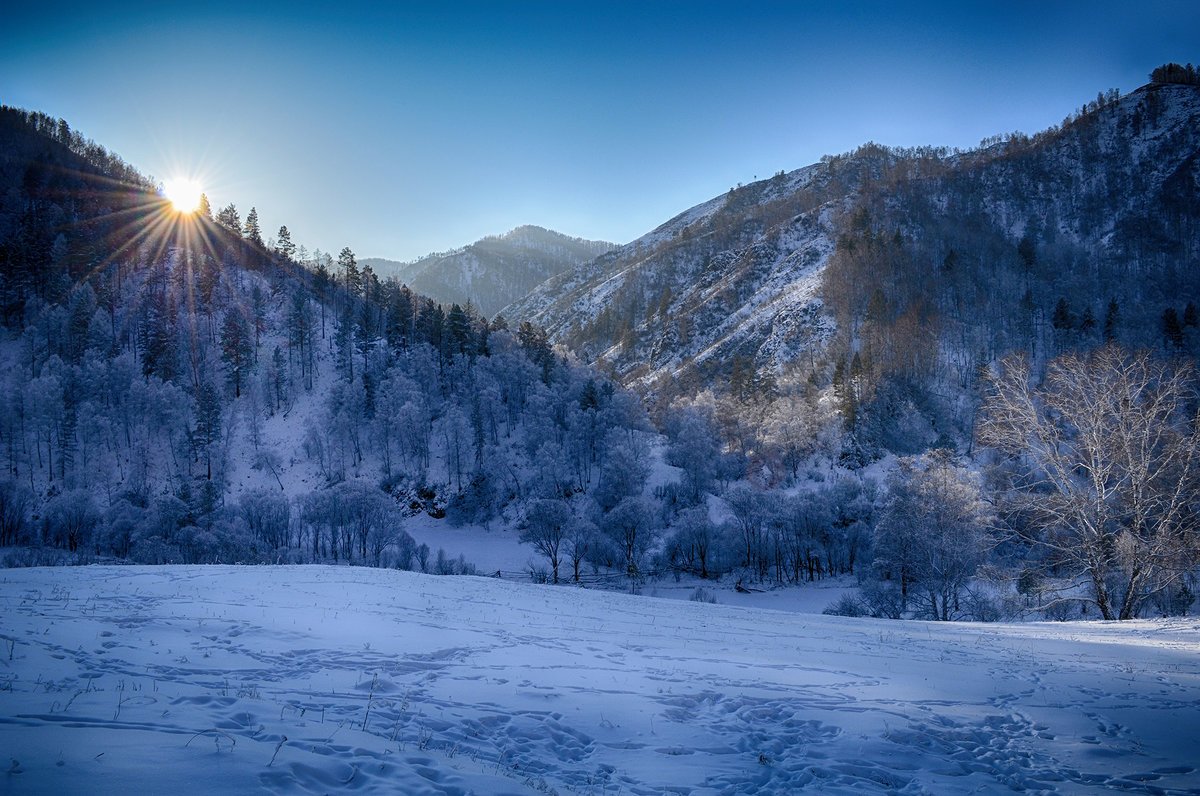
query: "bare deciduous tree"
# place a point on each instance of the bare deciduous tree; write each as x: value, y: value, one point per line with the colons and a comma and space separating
x: 1113, y: 458
x: 546, y: 528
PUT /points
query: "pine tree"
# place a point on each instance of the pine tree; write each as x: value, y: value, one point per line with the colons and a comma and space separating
x: 157, y: 338
x: 428, y: 324
x: 1062, y: 318
x: 205, y: 209
x: 1087, y: 324
x: 367, y: 331
x: 1171, y: 329
x: 537, y: 347
x: 259, y: 305
x: 458, y: 332
x: 399, y: 320
x: 251, y: 231
x: 284, y: 246
x: 350, y: 273
x: 1027, y: 251
x: 343, y: 341
x: 236, y: 348
x: 301, y: 333
x: 1111, y: 319
x: 229, y: 218
x: 206, y: 430
x: 321, y: 282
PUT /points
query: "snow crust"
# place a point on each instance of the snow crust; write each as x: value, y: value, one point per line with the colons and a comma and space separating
x: 325, y: 679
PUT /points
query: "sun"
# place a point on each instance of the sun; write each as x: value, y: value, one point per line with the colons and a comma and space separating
x: 183, y: 193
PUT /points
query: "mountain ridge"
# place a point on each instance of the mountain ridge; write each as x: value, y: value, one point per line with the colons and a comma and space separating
x: 494, y: 270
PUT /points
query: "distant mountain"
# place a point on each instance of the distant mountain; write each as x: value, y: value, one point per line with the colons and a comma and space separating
x: 920, y: 265
x: 494, y: 271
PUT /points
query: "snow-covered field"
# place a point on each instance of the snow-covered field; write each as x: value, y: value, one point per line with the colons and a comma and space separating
x: 321, y: 679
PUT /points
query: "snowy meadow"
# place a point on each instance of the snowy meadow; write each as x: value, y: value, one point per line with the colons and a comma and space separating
x: 316, y: 679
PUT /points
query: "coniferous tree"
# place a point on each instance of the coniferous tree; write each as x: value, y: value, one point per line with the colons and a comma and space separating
x: 1172, y: 330
x: 1062, y: 319
x: 321, y: 282
x: 206, y: 430
x: 343, y: 341
x: 366, y: 332
x: 284, y: 246
x: 350, y: 273
x: 229, y: 218
x: 429, y: 324
x: 258, y: 304
x: 252, y: 232
x: 1111, y: 319
x: 301, y: 333
x: 458, y: 332
x: 237, y: 348
x: 1087, y: 324
x: 399, y: 320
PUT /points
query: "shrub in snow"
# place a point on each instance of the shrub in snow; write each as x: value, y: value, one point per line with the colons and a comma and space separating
x: 702, y: 595
x: 1174, y: 601
x: 978, y: 606
x: 848, y: 605
x: 36, y: 557
x: 155, y: 550
x: 884, y: 598
x: 1062, y: 610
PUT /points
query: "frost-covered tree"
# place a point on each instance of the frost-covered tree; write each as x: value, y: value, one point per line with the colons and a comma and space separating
x: 267, y: 513
x: 16, y: 499
x: 625, y: 469
x: 932, y: 534
x: 70, y: 519
x: 695, y: 543
x: 694, y: 449
x: 631, y: 527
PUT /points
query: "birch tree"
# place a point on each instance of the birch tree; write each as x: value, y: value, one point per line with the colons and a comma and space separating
x: 1110, y: 461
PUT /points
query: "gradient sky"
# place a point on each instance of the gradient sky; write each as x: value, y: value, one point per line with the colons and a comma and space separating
x: 422, y: 127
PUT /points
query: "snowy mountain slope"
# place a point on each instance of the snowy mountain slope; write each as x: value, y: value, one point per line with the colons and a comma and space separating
x: 494, y: 271
x: 318, y: 679
x: 1108, y: 195
x: 734, y: 276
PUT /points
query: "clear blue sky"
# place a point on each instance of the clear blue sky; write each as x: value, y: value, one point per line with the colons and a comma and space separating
x: 426, y: 126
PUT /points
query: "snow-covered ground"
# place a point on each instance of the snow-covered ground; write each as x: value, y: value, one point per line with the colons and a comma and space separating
x: 321, y: 679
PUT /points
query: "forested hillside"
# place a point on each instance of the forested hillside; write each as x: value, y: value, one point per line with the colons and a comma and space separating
x: 174, y: 390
